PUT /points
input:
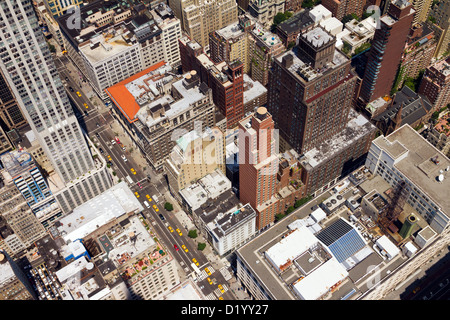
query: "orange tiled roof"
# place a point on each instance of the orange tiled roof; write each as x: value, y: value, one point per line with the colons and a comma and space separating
x: 123, y: 99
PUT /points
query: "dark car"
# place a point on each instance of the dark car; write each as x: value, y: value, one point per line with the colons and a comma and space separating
x: 162, y: 217
x: 101, y: 150
x: 71, y: 89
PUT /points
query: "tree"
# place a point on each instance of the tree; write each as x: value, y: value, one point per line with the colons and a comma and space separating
x: 168, y: 206
x: 201, y: 246
x: 279, y: 216
x: 279, y: 18
x: 349, y: 17
x: 192, y: 234
x: 308, y: 3
x: 367, y: 14
x: 290, y: 209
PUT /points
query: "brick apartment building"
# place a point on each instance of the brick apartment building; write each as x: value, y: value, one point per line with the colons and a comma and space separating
x: 386, y: 51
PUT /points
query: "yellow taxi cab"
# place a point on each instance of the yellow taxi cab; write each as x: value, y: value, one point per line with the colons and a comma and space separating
x: 207, y: 271
x: 155, y: 207
x: 85, y: 104
x: 179, y: 232
x: 220, y: 298
x: 170, y: 229
x: 148, y: 197
x: 133, y: 171
x: 137, y: 194
x: 195, y: 261
x: 184, y: 248
x: 221, y: 288
x: 109, y: 158
x: 78, y: 93
x: 209, y: 280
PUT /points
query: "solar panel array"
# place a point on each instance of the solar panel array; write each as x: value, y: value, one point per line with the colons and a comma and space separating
x: 342, y: 239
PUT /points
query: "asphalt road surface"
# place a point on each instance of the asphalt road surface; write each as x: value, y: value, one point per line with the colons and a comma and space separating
x: 98, y: 127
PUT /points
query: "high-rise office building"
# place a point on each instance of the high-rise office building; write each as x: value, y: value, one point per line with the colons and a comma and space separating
x: 59, y: 7
x: 309, y: 103
x: 386, y: 51
x: 14, y: 285
x: 10, y: 112
x: 199, y: 17
x: 28, y: 67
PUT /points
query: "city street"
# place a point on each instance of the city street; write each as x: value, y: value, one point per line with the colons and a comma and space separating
x: 101, y: 127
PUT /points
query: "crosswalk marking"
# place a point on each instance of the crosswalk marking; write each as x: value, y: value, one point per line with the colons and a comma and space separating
x: 211, y: 296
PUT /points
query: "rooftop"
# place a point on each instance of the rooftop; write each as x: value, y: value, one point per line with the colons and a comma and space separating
x: 297, y: 22
x: 225, y: 222
x: 252, y: 89
x: 230, y: 31
x: 267, y: 37
x: 304, y: 71
x: 414, y: 107
x: 133, y: 93
x: 357, y: 127
x: 209, y: 187
x: 443, y: 124
x: 309, y: 267
x: 88, y: 217
x: 420, y: 162
x: 317, y: 37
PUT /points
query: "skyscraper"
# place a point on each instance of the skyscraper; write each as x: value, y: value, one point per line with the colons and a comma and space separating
x: 386, y: 51
x: 258, y: 165
x: 10, y: 112
x: 309, y: 91
x: 28, y: 67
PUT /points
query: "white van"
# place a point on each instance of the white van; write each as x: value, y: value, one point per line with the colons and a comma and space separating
x: 155, y: 198
x: 146, y: 204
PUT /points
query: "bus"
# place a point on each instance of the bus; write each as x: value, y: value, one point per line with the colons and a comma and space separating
x: 196, y: 269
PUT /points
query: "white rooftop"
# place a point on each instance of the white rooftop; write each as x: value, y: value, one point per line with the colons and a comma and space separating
x: 357, y: 126
x: 319, y: 12
x: 6, y: 272
x: 317, y: 37
x: 88, y: 217
x: 291, y: 247
x: 208, y: 187
x: 384, y: 243
x: 186, y: 291
x: 332, y: 25
x: 269, y: 38
x: 72, y: 269
x: 189, y: 97
x: 132, y: 241
x: 231, y: 31
x: 321, y: 280
x: 256, y: 89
